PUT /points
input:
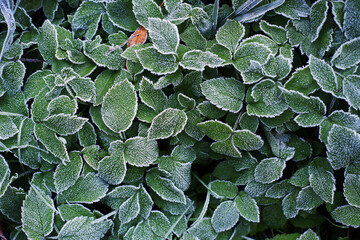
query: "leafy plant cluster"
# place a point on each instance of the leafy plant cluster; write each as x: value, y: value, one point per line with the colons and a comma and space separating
x: 234, y: 120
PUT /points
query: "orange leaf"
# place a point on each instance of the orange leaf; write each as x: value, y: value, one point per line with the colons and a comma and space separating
x: 138, y: 37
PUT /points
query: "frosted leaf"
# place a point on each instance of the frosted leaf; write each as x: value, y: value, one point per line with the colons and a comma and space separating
x: 113, y: 168
x: 202, y: 230
x: 226, y: 147
x: 277, y: 67
x: 202, y: 21
x: 262, y: 40
x: 8, y: 128
x: 351, y: 25
x: 96, y: 117
x: 12, y: 75
x: 144, y: 10
x: 142, y: 231
x: 11, y: 202
x: 248, y: 207
x: 87, y: 135
x: 70, y: 211
x: 159, y: 223
x: 4, y: 175
x: 64, y: 124
x: 279, y: 190
x: 308, y: 235
x: 277, y: 33
x: 119, y: 106
x: 225, y: 93
x: 164, y: 35
x: 302, y: 81
x: 62, y: 104
x: 246, y: 140
x: 35, y: 83
x: 324, y: 75
x: 145, y: 202
x: 186, y: 102
x: 165, y: 188
x: 174, y: 79
x: 180, y: 173
x: 230, y: 34
x: 198, y: 60
x: 140, y: 152
x: 269, y: 170
x: 87, y: 18
x: 129, y: 209
x: 318, y: 15
x: 311, y: 109
x: 248, y: 52
x: 225, y: 216
x: 338, y: 12
x: 254, y: 188
x: 289, y: 204
x: 84, y: 228
x: 322, y: 179
x: 153, y: 98
x: 210, y: 111
x: 223, y: 189
x: 308, y: 199
x: 347, y: 55
x: 66, y: 175
x: 351, y: 89
x: 300, y: 178
x: 248, y: 122
x: 294, y: 9
x: 347, y: 215
x: 351, y: 189
x: 121, y: 15
x: 343, y: 146
x: 51, y: 142
x: 265, y: 100
x: 169, y: 122
x: 47, y: 42
x: 215, y: 129
x: 254, y: 73
x: 37, y: 214
x: 157, y: 63
x: 193, y: 38
x: 87, y: 189
x: 103, y: 82
x: 99, y: 53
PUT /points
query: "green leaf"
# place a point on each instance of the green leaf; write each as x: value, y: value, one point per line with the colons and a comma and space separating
x: 62, y: 104
x: 11, y: 202
x: 225, y: 93
x: 302, y: 81
x: 8, y: 128
x: 47, y: 42
x: 103, y: 82
x: 153, y: 98
x: 215, y: 129
x: 248, y: 52
x: 180, y: 173
x: 5, y: 175
x: 230, y: 34
x: 203, y: 229
x: 308, y: 199
x: 156, y: 62
x: 52, y: 143
x: 140, y: 152
x: 277, y: 33
x: 279, y: 190
x: 121, y: 15
x: 165, y: 188
x: 351, y: 89
x: 294, y: 9
x: 289, y: 204
x: 142, y: 231
x: 64, y: 124
x: 269, y: 170
x: 342, y: 147
x: 119, y: 106
x: 226, y: 147
x: 318, y: 13
x: 144, y: 10
x: 197, y: 60
x: 37, y: 213
x: 351, y: 28
x: 169, y: 122
x: 113, y: 168
x: 87, y: 18
x: 322, y: 179
x: 193, y: 38
x: 66, y: 175
x: 351, y: 189
x: 159, y: 223
x: 129, y: 209
x: 223, y: 189
x: 246, y: 140
x: 347, y: 55
x: 277, y: 67
x: 309, y: 235
x: 70, y: 211
x: 12, y: 75
x: 87, y: 135
x: 84, y: 228
x: 347, y: 215
x: 225, y: 216
x: 248, y: 207
x: 164, y: 35
x: 87, y: 189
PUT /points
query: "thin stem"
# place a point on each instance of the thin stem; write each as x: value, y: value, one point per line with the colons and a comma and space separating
x: 239, y: 117
x: 176, y: 222
x: 104, y: 217
x: 203, y: 211
x: 31, y: 60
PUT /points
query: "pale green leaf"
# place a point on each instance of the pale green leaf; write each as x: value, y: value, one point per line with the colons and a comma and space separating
x: 215, y: 129
x: 248, y: 207
x: 153, y: 98
x: 156, y: 62
x: 223, y: 189
x: 121, y: 15
x: 11, y: 202
x: 308, y: 199
x: 202, y: 230
x: 4, y: 175
x: 197, y: 60
x: 226, y: 147
x: 351, y: 89
x: 8, y: 128
x: 230, y: 34
x: 277, y: 33
x: 269, y: 170
x: 113, y: 168
x: 352, y: 189
x: 47, y: 42
x: 129, y: 209
x: 302, y: 81
x: 62, y: 104
x: 347, y: 215
x: 64, y: 124
x: 294, y: 9
x: 159, y: 223
x: 248, y: 52
x: 246, y: 140
x: 144, y: 10
x: 225, y: 216
x: 318, y: 13
x: 12, y: 75
x: 164, y: 35
x: 66, y: 175
x: 347, y: 55
x: 140, y: 152
x: 70, y: 211
x: 351, y: 26
x: 308, y: 235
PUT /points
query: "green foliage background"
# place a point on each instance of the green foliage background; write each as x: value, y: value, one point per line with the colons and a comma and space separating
x: 235, y: 120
